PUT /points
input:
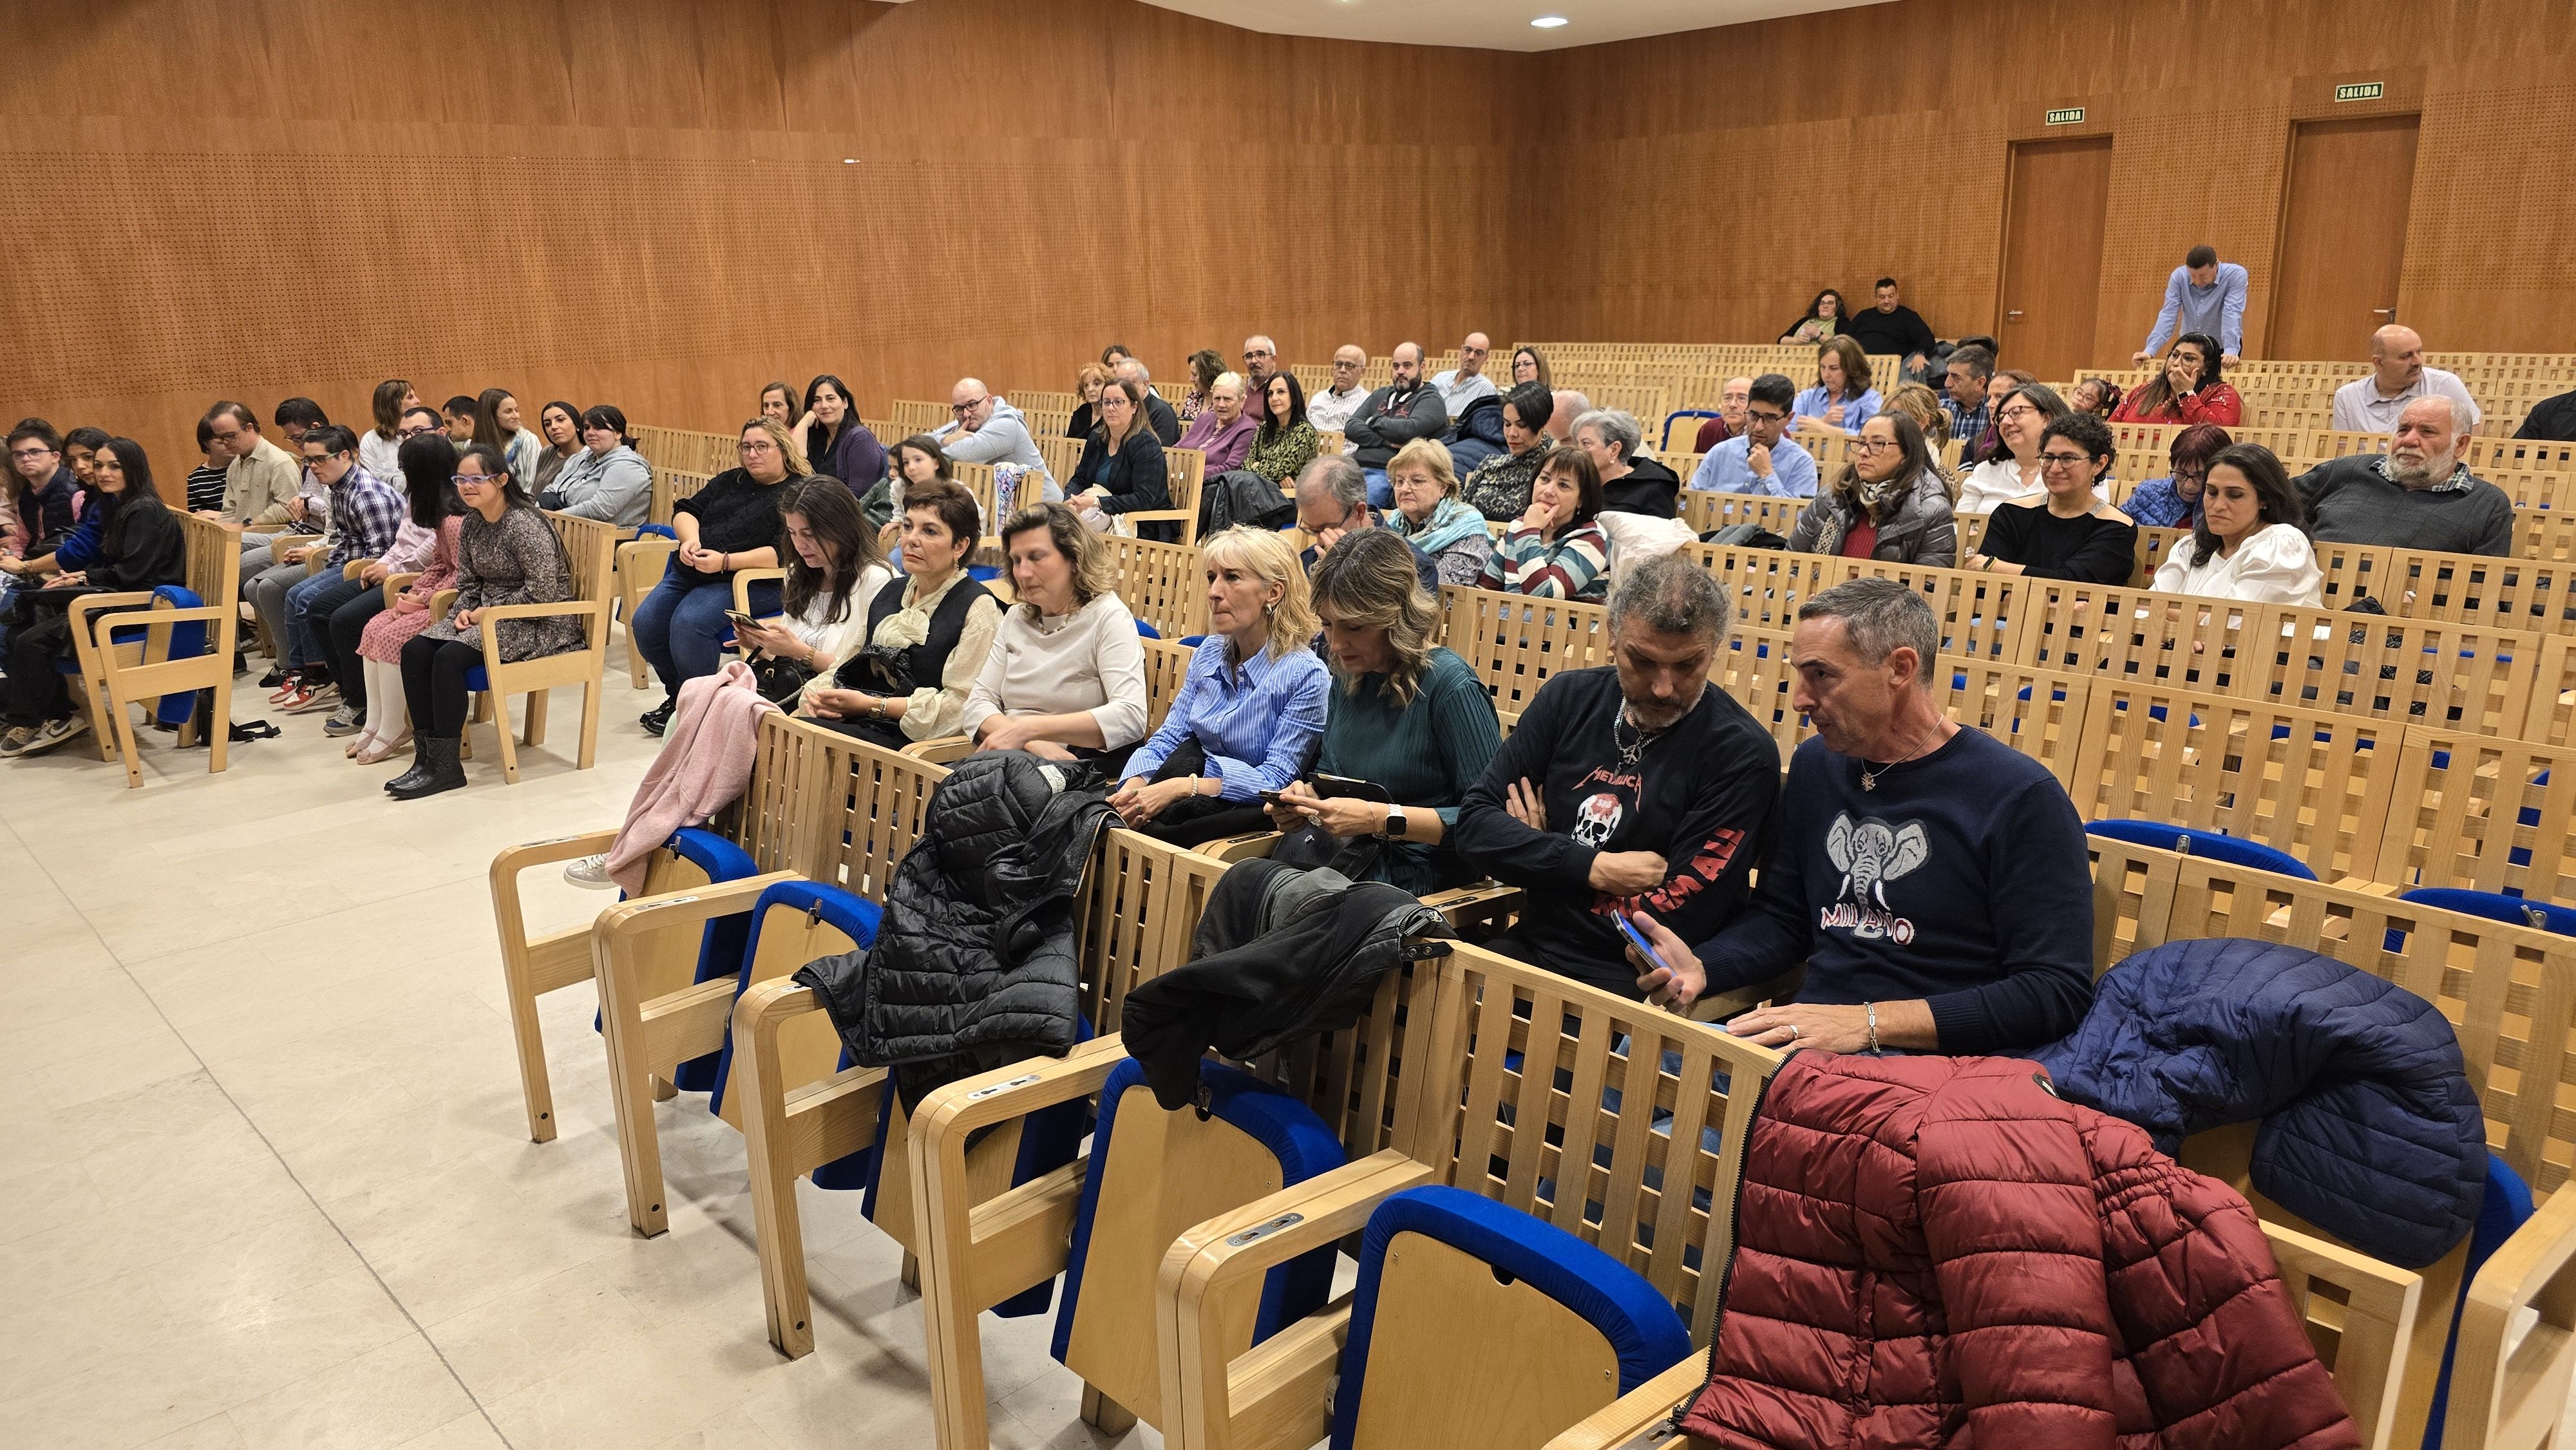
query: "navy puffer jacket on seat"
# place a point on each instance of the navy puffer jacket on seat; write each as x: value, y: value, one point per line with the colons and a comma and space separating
x: 2370, y: 1129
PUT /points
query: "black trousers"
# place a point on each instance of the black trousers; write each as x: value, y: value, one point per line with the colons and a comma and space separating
x: 340, y: 636
x: 433, y: 672
x: 1201, y: 818
x: 41, y: 639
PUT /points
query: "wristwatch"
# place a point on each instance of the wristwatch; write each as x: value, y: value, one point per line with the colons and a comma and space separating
x: 1394, y: 824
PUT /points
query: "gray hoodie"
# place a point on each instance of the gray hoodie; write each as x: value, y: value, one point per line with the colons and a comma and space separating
x: 1004, y: 438
x: 618, y: 488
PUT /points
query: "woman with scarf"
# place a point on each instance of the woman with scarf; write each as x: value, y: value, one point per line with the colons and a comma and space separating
x: 1890, y: 502
x: 1429, y: 515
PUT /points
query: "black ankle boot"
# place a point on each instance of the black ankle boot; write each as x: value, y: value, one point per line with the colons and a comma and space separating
x: 437, y: 758
x: 418, y: 772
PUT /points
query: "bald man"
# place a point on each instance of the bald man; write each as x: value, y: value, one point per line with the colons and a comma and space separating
x: 1467, y: 382
x: 1329, y: 408
x: 1393, y: 416
x: 2398, y: 377
x: 1260, y: 364
x: 2419, y: 494
x: 989, y: 430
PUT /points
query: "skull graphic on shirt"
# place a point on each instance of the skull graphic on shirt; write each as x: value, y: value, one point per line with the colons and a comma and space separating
x: 1596, y: 818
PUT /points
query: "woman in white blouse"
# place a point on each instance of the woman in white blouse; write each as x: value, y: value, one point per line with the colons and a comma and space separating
x: 835, y: 569
x: 2011, y: 471
x: 1065, y: 677
x: 2250, y: 543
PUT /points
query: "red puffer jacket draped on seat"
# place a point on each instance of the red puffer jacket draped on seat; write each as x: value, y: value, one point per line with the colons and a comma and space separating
x: 1937, y: 1252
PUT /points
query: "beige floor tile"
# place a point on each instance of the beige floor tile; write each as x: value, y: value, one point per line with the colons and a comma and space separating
x: 465, y: 1432
x: 214, y: 1433
x: 512, y: 1342
x: 384, y: 1398
x: 739, y: 1430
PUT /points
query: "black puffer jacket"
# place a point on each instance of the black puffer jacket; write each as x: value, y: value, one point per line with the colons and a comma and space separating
x: 1279, y: 954
x: 975, y: 964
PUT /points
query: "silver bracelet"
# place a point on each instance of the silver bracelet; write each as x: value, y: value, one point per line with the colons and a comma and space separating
x: 1872, y: 1009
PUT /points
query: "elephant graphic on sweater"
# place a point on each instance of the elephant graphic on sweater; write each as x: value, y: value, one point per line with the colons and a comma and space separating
x: 1871, y: 853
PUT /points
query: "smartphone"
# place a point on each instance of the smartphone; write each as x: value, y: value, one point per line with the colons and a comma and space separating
x: 1637, y: 938
x: 1270, y: 797
x: 740, y: 619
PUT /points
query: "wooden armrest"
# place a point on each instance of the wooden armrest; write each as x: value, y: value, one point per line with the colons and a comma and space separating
x: 511, y: 860
x: 1483, y: 901
x: 89, y: 604
x: 1643, y: 1414
x: 2508, y: 1394
x: 743, y: 579
x: 442, y: 604
x: 1241, y: 848
x: 630, y: 919
x: 940, y: 749
x: 950, y: 1113
x: 1718, y: 1006
x: 538, y: 611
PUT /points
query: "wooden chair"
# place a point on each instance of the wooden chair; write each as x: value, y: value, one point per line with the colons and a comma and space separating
x: 1167, y: 668
x: 2483, y: 814
x: 1515, y: 642
x: 1188, y: 468
x: 2132, y: 635
x: 2507, y: 1395
x: 915, y: 417
x: 762, y: 830
x: 1524, y: 1089
x: 162, y: 655
x: 1163, y: 584
x: 2419, y: 671
x: 1768, y: 585
x: 590, y: 545
x: 1706, y: 511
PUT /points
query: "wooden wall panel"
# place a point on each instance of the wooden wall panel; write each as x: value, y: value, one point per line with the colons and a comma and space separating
x: 647, y: 201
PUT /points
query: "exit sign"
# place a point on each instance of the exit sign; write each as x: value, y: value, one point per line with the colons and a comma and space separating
x: 2361, y: 91
x: 2072, y: 115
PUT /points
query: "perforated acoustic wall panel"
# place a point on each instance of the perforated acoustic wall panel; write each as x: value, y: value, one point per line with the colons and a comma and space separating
x: 664, y: 203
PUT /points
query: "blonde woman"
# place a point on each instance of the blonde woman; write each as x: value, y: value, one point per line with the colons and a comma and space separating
x: 1921, y: 404
x: 1065, y: 676
x: 1429, y: 515
x: 1406, y: 715
x: 1248, y: 713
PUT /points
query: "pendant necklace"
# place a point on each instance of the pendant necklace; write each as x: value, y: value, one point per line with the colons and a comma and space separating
x: 1629, y: 754
x: 1869, y: 777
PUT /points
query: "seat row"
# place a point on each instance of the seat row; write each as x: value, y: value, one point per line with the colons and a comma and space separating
x: 1169, y: 1260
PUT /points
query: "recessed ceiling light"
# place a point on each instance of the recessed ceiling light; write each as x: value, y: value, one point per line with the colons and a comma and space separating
x: 1548, y: 22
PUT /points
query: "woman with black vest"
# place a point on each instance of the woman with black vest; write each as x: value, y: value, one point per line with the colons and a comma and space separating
x: 927, y: 632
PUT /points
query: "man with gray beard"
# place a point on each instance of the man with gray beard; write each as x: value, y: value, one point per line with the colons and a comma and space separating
x: 2418, y: 495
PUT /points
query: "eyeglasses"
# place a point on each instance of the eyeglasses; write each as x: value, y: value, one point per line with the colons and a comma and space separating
x: 1249, y: 354
x: 478, y: 480
x: 30, y: 455
x: 756, y: 445
x: 2191, y: 475
x: 2023, y: 411
x: 1752, y: 416
x: 414, y: 432
x: 962, y: 409
x: 1874, y: 445
x: 2063, y: 460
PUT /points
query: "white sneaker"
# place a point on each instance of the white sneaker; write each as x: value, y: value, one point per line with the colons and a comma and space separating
x: 590, y: 872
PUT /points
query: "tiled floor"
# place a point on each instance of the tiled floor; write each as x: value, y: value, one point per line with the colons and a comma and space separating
x: 266, y: 1167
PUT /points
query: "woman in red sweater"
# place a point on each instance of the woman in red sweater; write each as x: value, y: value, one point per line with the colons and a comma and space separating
x: 2188, y: 391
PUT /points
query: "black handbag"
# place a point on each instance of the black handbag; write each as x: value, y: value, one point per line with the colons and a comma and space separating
x: 779, y: 681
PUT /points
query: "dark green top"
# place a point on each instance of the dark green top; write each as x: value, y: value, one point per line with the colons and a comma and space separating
x: 1430, y: 754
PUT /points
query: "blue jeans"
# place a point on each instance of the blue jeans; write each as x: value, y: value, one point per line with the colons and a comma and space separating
x: 680, y: 626
x: 309, y: 603
x: 1381, y: 492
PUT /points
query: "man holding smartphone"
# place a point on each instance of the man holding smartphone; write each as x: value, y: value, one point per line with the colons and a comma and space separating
x: 1633, y: 787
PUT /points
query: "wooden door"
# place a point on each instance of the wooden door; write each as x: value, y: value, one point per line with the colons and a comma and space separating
x: 2052, y: 265
x: 2343, y: 235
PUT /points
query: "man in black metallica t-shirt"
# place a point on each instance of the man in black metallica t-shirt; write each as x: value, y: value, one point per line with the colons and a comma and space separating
x: 1934, y: 881
x: 1629, y: 787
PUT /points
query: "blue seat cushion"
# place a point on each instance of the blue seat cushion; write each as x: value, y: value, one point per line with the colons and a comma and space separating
x: 1640, y: 1324
x: 720, y: 945
x: 2213, y: 845
x: 1288, y: 1128
x: 1147, y: 631
x: 854, y: 917
x: 2497, y: 906
x: 2506, y: 1207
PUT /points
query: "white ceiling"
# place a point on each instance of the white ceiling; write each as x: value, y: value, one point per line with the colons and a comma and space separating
x: 1492, y: 24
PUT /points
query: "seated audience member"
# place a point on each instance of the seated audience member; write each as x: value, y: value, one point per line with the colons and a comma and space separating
x: 1260, y: 365
x: 1404, y: 714
x: 1086, y: 385
x: 309, y: 511
x: 559, y: 424
x: 458, y: 414
x: 2010, y: 468
x: 2100, y: 397
x: 1842, y: 397
x: 1429, y: 515
x: 1114, y: 354
x: 2187, y: 391
x: 1123, y: 468
x: 1467, y: 382
x: 608, y: 480
x: 1823, y: 319
x: 1249, y: 710
x: 834, y: 570
x: 1890, y: 502
x: 1920, y: 403
x: 379, y: 448
x: 1332, y: 504
x: 1475, y: 437
x: 258, y: 482
x: 506, y: 553
x: 1761, y: 458
x: 730, y: 524
x: 926, y: 636
x: 2173, y: 501
x: 1331, y: 409
x: 1224, y: 430
x: 140, y: 548
x: 1499, y: 487
x: 1529, y: 365
x: 779, y: 402
x: 1730, y: 415
x: 1065, y: 676
x: 989, y: 430
x: 1570, y: 404
x: 2418, y: 495
x: 2066, y: 531
x: 915, y: 461
x: 836, y: 443
x: 206, y: 480
x: 2247, y: 543
x: 367, y: 635
x: 1636, y: 785
x: 1629, y: 483
x: 1998, y: 387
x: 1556, y: 550
x: 366, y: 522
x: 41, y: 487
x: 1393, y: 416
x: 1889, y: 328
x: 1205, y: 367
x: 1969, y: 372
x: 1159, y: 417
x: 80, y: 447
x: 77, y: 550
x: 1285, y: 442
x: 2551, y: 420
x: 497, y: 419
x: 2203, y: 295
x: 2397, y: 378
x: 1931, y: 879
